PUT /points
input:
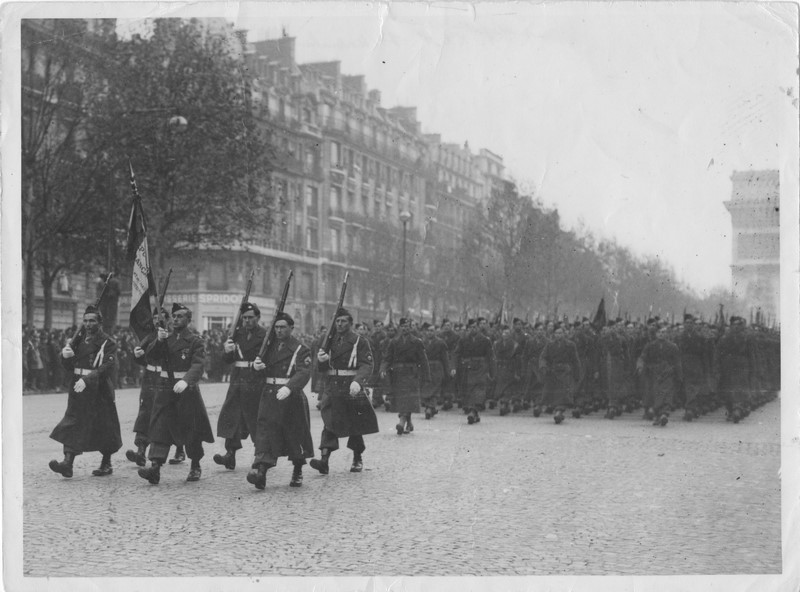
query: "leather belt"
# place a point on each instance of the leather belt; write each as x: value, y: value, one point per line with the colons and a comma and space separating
x: 153, y: 368
x: 342, y: 372
x: 243, y: 364
x: 174, y: 374
x: 274, y: 380
x: 82, y: 371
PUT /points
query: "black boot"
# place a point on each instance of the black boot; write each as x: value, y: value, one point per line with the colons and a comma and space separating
x: 179, y: 457
x: 503, y: 408
x: 137, y: 457
x: 228, y: 460
x: 559, y: 416
x: 297, y: 476
x: 409, y: 425
x: 537, y: 411
x: 322, y: 464
x: 357, y: 463
x: 152, y: 473
x: 258, y: 476
x: 194, y: 471
x: 400, y: 427
x: 105, y: 467
x: 65, y: 466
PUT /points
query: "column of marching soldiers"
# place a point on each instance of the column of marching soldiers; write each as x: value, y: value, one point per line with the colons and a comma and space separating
x: 553, y: 367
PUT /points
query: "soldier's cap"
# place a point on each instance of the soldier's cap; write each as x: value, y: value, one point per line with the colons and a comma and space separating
x: 516, y: 320
x: 735, y: 320
x: 176, y: 306
x: 343, y: 312
x: 157, y: 312
x: 576, y: 324
x: 403, y: 322
x: 471, y: 322
x: 377, y: 322
x: 445, y: 320
x: 479, y: 319
x: 282, y: 316
x: 688, y: 318
x: 92, y: 309
x: 652, y: 320
x: 248, y: 306
x: 426, y: 326
x: 558, y: 325
x: 504, y: 327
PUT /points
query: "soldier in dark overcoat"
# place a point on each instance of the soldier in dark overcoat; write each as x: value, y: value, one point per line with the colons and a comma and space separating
x: 406, y: 366
x: 534, y: 378
x: 508, y: 358
x: 450, y: 338
x: 376, y: 339
x: 615, y: 356
x: 439, y: 363
x: 474, y: 368
x: 91, y: 422
x: 561, y: 369
x: 238, y: 417
x: 179, y: 414
x: 737, y: 367
x: 346, y: 410
x: 696, y: 361
x: 283, y: 416
x: 150, y: 380
x: 660, y: 365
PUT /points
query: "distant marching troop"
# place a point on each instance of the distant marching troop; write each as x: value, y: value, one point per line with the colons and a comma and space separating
x: 551, y: 367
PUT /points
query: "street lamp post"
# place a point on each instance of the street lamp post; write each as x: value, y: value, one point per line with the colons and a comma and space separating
x: 405, y: 216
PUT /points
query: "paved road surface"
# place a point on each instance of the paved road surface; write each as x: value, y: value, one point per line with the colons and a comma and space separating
x: 512, y: 495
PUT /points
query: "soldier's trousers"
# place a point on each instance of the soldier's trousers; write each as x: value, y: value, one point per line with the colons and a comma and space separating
x: 330, y: 441
x: 160, y: 451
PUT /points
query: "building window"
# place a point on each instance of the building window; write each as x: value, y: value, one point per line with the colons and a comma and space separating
x: 217, y: 278
x: 217, y: 323
x: 266, y: 279
x: 307, y: 288
x: 336, y: 199
x: 335, y: 155
x: 312, y: 242
x: 312, y: 202
x: 335, y: 238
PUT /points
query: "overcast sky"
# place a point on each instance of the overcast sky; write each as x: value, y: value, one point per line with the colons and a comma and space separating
x: 627, y: 117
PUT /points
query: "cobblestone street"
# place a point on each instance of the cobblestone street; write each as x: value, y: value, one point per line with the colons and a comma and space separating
x: 509, y: 496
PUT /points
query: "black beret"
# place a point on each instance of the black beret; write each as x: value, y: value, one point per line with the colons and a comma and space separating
x: 176, y: 306
x: 403, y: 321
x: 282, y: 316
x: 91, y: 309
x: 248, y: 306
x: 343, y: 312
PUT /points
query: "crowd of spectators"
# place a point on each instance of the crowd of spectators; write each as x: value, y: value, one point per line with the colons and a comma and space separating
x: 42, y: 371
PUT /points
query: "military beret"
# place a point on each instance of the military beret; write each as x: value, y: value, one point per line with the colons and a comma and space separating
x: 248, y: 306
x: 426, y: 326
x: 403, y: 321
x: 479, y: 319
x: 735, y: 319
x: 343, y: 312
x: 538, y: 325
x: 516, y: 320
x: 91, y: 309
x: 176, y: 306
x: 282, y: 316
x: 471, y: 322
x: 445, y: 320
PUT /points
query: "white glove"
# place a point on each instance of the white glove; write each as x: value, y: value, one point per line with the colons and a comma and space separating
x: 355, y: 388
x: 283, y: 392
x: 67, y: 352
x: 322, y: 356
x: 162, y: 334
x: 180, y: 386
x: 138, y: 351
x: 79, y: 386
x: 229, y: 346
x: 258, y: 365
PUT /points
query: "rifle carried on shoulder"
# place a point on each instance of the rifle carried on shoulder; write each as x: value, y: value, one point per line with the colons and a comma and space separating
x: 326, y: 346
x: 278, y: 309
x: 80, y: 334
x: 245, y: 298
x: 162, y: 324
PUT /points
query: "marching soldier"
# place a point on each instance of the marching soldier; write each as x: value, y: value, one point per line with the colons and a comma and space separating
x: 238, y: 417
x: 660, y: 364
x: 150, y: 378
x: 91, y: 421
x: 179, y: 414
x: 561, y: 368
x: 376, y: 339
x: 406, y: 366
x: 283, y: 416
x: 346, y: 410
x: 737, y: 367
x: 534, y: 378
x: 439, y: 364
x: 696, y: 365
x: 450, y: 338
x: 615, y: 355
x: 506, y: 351
x: 474, y: 369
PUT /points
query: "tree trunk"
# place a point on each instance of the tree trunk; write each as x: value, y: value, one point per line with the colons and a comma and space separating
x: 47, y: 291
x: 30, y: 291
